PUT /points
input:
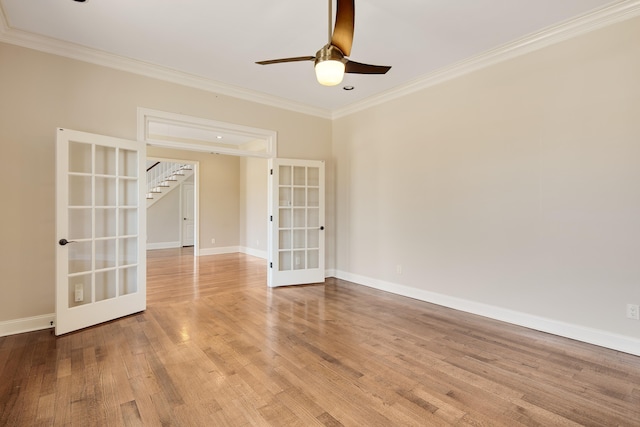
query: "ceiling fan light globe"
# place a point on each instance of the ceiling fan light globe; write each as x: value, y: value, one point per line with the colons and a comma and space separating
x: 330, y: 72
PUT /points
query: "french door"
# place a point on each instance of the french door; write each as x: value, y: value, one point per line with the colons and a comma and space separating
x: 296, y: 227
x: 101, y: 229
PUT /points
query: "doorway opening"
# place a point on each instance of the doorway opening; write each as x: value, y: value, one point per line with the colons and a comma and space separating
x: 172, y: 205
x: 190, y: 139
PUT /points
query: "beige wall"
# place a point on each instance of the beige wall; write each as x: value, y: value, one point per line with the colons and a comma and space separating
x: 516, y: 187
x: 162, y: 218
x: 40, y: 92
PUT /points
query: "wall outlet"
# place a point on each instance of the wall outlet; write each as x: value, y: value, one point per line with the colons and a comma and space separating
x: 399, y: 269
x: 633, y: 311
x: 213, y: 241
x: 79, y: 292
x: 258, y: 243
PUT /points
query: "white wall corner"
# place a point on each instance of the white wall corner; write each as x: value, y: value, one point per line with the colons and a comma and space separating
x: 330, y: 273
x: 163, y: 245
x: 588, y: 335
x: 27, y: 324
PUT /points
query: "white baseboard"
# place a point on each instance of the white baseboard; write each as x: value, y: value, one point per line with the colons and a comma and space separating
x: 254, y: 252
x: 330, y: 273
x: 219, y: 251
x: 27, y: 324
x: 163, y: 245
x: 597, y: 337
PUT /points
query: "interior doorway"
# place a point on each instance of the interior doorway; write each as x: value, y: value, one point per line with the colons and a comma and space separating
x: 206, y: 139
x: 172, y: 217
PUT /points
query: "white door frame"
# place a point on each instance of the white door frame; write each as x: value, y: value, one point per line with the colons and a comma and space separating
x: 147, y: 116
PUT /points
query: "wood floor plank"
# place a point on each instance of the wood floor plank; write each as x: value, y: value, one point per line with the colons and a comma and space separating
x: 217, y: 347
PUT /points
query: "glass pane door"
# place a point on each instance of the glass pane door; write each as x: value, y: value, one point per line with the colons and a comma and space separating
x: 297, y: 191
x: 100, y: 271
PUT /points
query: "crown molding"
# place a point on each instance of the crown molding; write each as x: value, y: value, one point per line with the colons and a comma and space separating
x: 81, y: 53
x: 599, y: 18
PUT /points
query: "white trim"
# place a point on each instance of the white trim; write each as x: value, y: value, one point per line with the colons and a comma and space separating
x: 585, y: 334
x: 147, y: 115
x: 254, y: 252
x: 27, y: 324
x: 162, y: 245
x: 619, y: 11
x: 599, y: 18
x: 220, y: 251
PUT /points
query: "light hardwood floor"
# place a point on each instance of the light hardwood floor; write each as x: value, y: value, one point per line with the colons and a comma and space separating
x: 216, y: 347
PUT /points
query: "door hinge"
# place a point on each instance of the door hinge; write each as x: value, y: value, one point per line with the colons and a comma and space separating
x: 271, y: 218
x: 270, y: 265
x: 271, y: 172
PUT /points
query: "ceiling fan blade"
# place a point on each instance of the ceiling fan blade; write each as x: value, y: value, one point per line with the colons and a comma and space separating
x: 295, y: 59
x: 358, y: 68
x: 343, y: 32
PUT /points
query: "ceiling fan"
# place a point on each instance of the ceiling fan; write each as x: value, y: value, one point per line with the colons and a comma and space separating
x: 331, y: 61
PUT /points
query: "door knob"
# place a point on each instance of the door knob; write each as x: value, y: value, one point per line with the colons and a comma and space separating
x: 63, y: 242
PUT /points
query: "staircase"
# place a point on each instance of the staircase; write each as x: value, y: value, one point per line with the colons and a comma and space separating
x: 162, y: 177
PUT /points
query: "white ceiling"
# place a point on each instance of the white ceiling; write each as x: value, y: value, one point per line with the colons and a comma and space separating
x: 219, y: 41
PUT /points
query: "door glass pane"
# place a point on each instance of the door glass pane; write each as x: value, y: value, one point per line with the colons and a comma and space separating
x: 313, y: 217
x: 285, y: 239
x: 299, y: 260
x: 285, y: 261
x: 313, y: 238
x: 105, y: 160
x: 79, y: 157
x: 314, y: 197
x: 299, y: 197
x: 299, y: 218
x: 285, y: 175
x: 299, y: 175
x: 79, y: 257
x: 313, y: 177
x: 79, y: 290
x: 79, y: 223
x: 285, y: 218
x: 105, y: 253
x: 284, y: 196
x: 79, y: 190
x: 128, y: 280
x: 105, y: 285
x: 128, y: 192
x: 299, y: 241
x: 128, y: 222
x: 105, y: 222
x: 105, y: 191
x: 128, y: 163
x: 128, y: 251
x: 313, y: 259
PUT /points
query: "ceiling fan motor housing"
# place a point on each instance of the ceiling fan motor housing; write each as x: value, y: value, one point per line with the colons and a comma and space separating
x: 329, y: 53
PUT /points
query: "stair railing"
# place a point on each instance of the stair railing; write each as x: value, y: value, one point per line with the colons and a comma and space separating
x: 162, y: 173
